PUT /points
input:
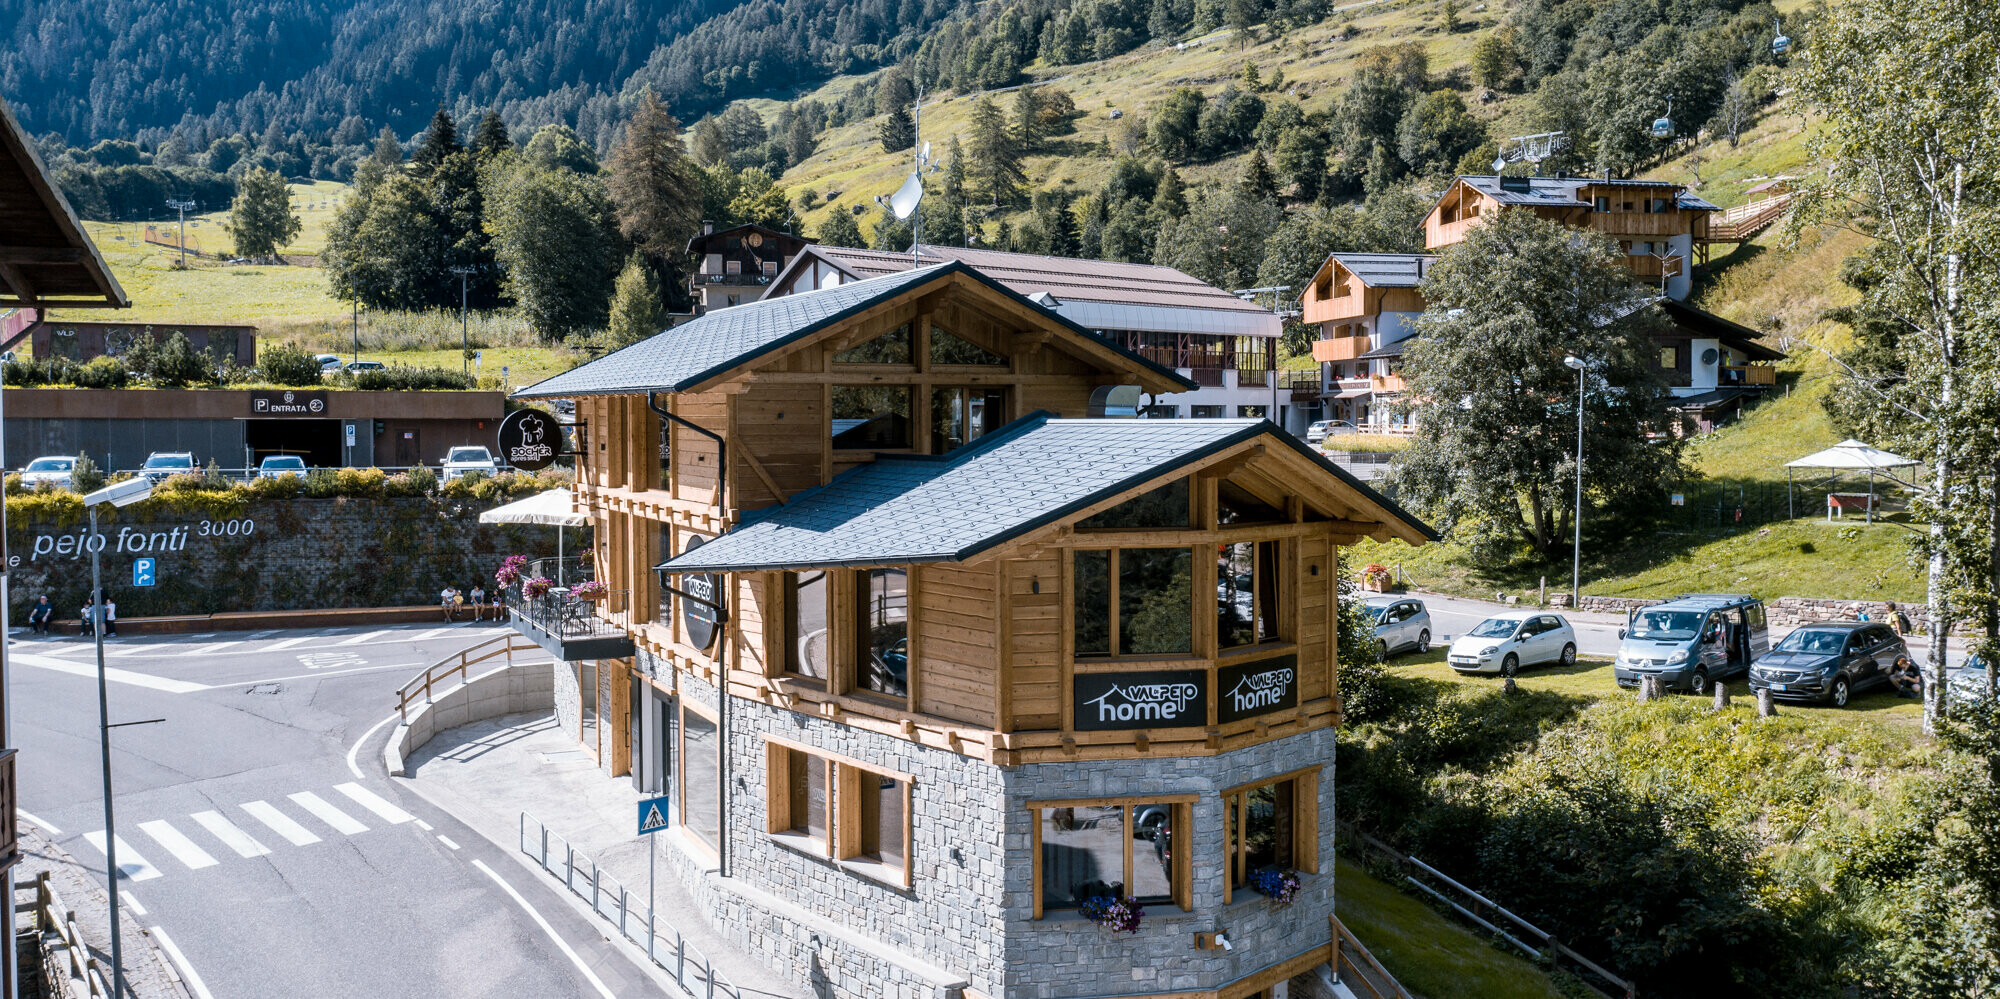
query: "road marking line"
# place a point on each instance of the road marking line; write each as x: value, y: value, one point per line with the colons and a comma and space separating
x: 231, y: 837
x: 375, y: 803
x: 193, y: 978
x: 132, y: 902
x: 52, y: 830
x: 110, y: 673
x: 288, y: 643
x: 184, y: 849
x: 353, y: 767
x: 279, y: 822
x: 261, y: 635
x: 133, y: 866
x: 446, y: 840
x: 127, y: 650
x: 425, y: 826
x: 209, y: 649
x: 436, y: 633
x: 364, y: 636
x: 560, y: 943
x: 341, y: 822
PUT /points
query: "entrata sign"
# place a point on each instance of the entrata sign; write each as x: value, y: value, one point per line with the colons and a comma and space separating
x: 287, y: 402
x: 1156, y: 699
x: 699, y: 618
x: 529, y: 440
x: 1257, y: 688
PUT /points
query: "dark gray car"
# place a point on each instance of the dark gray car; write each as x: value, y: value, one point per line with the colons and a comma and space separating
x: 1829, y: 662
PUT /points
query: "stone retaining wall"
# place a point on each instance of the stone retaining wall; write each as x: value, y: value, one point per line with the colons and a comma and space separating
x: 1790, y: 612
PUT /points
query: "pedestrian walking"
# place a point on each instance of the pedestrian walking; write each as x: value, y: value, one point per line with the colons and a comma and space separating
x: 478, y: 602
x: 38, y: 618
x: 110, y: 616
x: 445, y: 598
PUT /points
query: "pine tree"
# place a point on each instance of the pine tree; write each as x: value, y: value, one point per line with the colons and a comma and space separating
x: 388, y: 149
x: 953, y: 189
x: 261, y: 219
x: 1028, y: 133
x: 995, y: 157
x: 1257, y: 182
x: 438, y: 141
x: 1252, y: 82
x: 1170, y: 200
x: 491, y: 138
x: 1063, y: 237
x: 839, y: 229
x: 636, y: 312
x: 897, y: 131
x: 459, y: 206
x: 1160, y: 22
x: 655, y: 187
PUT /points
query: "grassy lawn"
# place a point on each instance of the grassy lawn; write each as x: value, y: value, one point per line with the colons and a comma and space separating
x: 1428, y: 954
x: 208, y: 291
x: 525, y: 365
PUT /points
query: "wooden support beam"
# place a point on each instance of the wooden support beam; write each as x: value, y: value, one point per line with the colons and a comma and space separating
x: 40, y: 254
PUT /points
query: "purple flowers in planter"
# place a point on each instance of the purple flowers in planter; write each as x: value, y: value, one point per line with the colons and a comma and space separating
x: 510, y: 569
x: 1108, y: 906
x: 589, y: 589
x: 537, y: 586
x: 1280, y: 885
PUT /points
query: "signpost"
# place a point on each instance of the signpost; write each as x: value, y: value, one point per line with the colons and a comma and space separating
x: 653, y: 814
x: 142, y: 572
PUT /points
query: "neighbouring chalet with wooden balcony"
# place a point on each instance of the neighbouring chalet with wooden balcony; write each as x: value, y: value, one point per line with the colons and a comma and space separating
x: 1659, y: 225
x: 1224, y: 344
x: 735, y: 265
x: 928, y: 654
x: 1366, y: 304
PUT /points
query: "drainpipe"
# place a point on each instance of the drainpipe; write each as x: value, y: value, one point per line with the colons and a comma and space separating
x: 722, y: 852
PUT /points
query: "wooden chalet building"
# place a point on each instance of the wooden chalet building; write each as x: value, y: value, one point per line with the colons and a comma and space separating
x: 926, y: 649
x: 735, y: 265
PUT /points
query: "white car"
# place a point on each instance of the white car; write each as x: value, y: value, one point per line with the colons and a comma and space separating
x: 54, y: 470
x: 460, y: 460
x: 280, y: 465
x: 1508, y: 641
x: 1319, y: 432
x: 328, y: 363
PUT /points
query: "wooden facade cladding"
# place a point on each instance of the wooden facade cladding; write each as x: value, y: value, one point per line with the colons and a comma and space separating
x: 1627, y: 217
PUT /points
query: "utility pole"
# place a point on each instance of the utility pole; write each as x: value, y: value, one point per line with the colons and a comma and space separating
x: 182, y: 206
x: 357, y: 330
x: 464, y: 338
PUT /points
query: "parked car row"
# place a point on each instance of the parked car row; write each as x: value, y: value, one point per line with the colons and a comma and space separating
x: 60, y: 470
x: 331, y: 364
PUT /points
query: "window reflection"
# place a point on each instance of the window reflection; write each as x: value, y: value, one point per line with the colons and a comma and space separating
x: 892, y: 347
x: 871, y: 417
x: 882, y: 819
x: 808, y: 651
x: 884, y: 599
x: 1155, y: 601
x: 701, y: 777
x: 960, y: 416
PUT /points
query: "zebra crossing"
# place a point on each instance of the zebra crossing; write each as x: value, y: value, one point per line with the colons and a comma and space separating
x: 310, y: 812
x: 255, y: 643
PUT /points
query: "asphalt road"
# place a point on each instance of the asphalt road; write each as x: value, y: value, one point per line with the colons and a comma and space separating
x: 257, y: 827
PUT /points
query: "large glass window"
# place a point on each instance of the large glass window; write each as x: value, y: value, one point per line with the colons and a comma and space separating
x: 1246, y: 593
x: 1270, y: 827
x: 871, y: 418
x: 1237, y: 505
x: 883, y: 657
x: 960, y: 416
x: 1152, y: 614
x: 882, y: 819
x: 950, y: 348
x: 806, y: 783
x: 808, y: 643
x: 1165, y: 506
x: 1116, y: 849
x: 701, y: 776
x: 892, y: 347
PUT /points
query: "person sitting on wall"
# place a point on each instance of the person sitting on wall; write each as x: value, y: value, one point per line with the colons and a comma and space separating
x: 445, y: 599
x: 38, y: 618
x: 86, y: 616
x: 478, y: 602
x: 1906, y: 678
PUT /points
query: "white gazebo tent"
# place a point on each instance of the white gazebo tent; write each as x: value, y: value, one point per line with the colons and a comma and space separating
x: 555, y: 508
x: 1846, y: 458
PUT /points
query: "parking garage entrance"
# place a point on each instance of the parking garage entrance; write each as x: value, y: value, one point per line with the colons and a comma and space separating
x: 319, y: 442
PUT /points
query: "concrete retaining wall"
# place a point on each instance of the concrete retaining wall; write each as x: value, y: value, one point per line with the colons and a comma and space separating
x: 506, y: 690
x: 1790, y: 612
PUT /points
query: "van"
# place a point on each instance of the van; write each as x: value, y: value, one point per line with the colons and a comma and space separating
x: 1692, y: 641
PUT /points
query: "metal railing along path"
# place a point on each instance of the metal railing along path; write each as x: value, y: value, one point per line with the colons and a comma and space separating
x: 1357, y: 969
x: 635, y: 919
x: 418, y: 689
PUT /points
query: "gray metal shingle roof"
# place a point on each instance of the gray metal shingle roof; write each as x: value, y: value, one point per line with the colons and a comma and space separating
x: 1387, y: 270
x: 902, y: 510
x: 694, y: 352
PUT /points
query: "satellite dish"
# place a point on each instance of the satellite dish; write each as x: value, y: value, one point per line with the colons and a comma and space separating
x: 926, y: 154
x: 903, y: 203
x: 1708, y: 356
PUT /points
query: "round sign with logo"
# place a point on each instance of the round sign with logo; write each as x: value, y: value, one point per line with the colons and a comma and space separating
x: 698, y: 618
x: 529, y: 439
x: 756, y: 240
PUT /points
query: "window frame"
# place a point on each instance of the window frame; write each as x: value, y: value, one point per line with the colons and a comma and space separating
x: 859, y: 640
x: 909, y: 414
x: 1115, y: 599
x: 1182, y: 877
x: 711, y: 850
x: 788, y: 635
x: 1264, y: 607
x: 846, y: 836
x: 1304, y: 831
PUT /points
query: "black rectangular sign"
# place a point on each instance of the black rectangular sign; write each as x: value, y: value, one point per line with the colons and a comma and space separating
x: 287, y: 402
x: 1155, y: 699
x: 1257, y: 688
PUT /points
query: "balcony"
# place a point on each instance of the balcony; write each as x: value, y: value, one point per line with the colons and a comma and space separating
x: 1340, y: 348
x: 1386, y: 383
x: 750, y: 280
x: 571, y: 627
x: 1302, y: 383
x: 1750, y: 375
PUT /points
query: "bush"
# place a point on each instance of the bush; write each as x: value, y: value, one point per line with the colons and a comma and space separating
x: 104, y: 372
x: 360, y: 482
x: 285, y: 364
x: 404, y: 378
x: 86, y: 477
x: 416, y: 482
x: 322, y: 483
x: 173, y: 363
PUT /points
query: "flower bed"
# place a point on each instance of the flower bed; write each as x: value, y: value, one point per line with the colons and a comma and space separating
x: 1280, y: 885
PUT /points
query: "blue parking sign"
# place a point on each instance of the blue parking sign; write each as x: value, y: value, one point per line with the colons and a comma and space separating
x: 142, y: 572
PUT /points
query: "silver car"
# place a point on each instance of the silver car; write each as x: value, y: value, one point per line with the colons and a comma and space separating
x: 55, y: 470
x: 1401, y: 624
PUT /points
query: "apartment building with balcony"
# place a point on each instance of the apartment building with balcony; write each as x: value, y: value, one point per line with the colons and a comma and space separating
x: 735, y: 265
x: 1366, y: 305
x: 1226, y: 345
x: 930, y: 658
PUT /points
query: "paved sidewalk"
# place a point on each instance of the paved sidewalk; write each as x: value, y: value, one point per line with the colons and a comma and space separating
x: 148, y: 972
x: 487, y: 773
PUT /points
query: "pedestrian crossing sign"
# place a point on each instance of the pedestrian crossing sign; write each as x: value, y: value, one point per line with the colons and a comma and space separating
x: 652, y: 815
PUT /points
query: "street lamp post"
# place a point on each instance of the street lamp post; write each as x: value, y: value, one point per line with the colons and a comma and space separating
x: 1576, y: 542
x: 117, y: 494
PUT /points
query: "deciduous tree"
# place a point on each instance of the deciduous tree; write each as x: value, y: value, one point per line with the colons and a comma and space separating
x: 261, y: 218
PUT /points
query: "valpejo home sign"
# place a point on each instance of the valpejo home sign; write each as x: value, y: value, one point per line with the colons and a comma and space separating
x: 287, y: 402
x: 530, y: 440
x: 1256, y: 688
x: 1154, y: 699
